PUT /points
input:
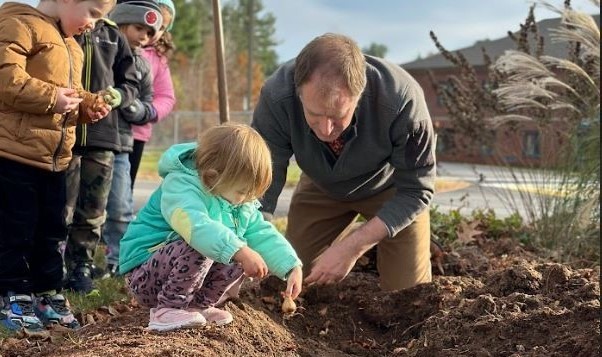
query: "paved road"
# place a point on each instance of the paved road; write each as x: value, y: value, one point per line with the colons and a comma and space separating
x: 490, y: 187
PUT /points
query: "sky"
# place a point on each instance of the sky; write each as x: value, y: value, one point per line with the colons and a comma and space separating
x: 401, y: 25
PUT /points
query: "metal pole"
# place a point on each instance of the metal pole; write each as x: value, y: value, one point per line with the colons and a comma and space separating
x: 251, y: 29
x: 222, y: 87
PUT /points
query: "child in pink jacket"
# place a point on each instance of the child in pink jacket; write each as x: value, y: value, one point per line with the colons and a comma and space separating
x: 164, y: 97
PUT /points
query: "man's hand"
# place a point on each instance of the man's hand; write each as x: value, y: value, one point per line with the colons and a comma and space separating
x: 333, y: 265
x: 336, y: 262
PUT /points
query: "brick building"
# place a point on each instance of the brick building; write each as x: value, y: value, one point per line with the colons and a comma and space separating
x: 519, y: 145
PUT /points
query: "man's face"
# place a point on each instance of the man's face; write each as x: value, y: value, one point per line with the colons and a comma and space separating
x: 327, y: 115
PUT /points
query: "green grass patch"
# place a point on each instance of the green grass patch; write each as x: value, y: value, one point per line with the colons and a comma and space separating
x: 107, y: 291
x: 150, y: 160
x: 149, y: 165
x: 5, y: 333
x: 292, y: 175
x: 446, y: 225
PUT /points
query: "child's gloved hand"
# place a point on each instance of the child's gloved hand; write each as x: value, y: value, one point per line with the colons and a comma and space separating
x: 112, y: 97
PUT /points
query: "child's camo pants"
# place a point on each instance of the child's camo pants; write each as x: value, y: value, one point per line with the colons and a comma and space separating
x: 177, y: 276
x: 89, y: 179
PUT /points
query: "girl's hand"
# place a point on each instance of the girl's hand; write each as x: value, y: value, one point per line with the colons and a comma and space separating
x: 293, y: 283
x: 66, y: 101
x: 252, y: 263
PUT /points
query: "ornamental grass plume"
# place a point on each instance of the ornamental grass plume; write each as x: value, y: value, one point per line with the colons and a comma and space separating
x: 544, y: 86
x: 561, y: 92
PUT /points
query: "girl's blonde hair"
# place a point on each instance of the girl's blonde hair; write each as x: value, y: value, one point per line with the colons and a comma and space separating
x: 234, y: 155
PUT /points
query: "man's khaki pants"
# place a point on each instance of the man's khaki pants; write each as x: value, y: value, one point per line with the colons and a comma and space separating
x: 315, y: 221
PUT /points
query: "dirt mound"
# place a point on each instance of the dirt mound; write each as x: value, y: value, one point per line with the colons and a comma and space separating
x: 498, y: 300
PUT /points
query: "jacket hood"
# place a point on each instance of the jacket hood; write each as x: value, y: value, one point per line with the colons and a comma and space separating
x: 14, y: 9
x: 178, y: 158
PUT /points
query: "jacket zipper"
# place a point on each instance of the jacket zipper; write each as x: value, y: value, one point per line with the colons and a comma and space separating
x: 235, y: 220
x: 64, y: 116
x: 88, y: 65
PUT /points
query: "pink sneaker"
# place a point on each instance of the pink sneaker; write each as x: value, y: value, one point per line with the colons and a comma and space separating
x: 213, y: 314
x: 167, y: 319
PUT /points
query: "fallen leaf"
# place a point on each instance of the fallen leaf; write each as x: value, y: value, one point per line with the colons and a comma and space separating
x: 113, y: 311
x: 437, y: 256
x: 41, y: 335
x: 400, y: 350
x: 467, y: 232
x: 89, y: 320
x: 323, y: 311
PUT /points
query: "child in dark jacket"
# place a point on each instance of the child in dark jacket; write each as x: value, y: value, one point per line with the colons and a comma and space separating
x: 109, y: 66
x: 139, y: 21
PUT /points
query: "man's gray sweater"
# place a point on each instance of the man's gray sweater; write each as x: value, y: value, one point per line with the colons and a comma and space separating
x: 390, y: 143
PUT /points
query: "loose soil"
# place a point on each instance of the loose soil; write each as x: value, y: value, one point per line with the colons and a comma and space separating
x: 495, y: 299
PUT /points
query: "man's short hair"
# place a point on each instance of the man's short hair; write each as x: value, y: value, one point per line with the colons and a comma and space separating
x: 336, y: 58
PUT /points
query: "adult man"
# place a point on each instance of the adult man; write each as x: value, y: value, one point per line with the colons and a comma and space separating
x: 362, y: 135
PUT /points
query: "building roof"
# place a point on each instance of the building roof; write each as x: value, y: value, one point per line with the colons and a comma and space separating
x: 495, y: 48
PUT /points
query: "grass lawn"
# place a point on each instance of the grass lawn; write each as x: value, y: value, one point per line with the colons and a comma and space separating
x: 149, y: 165
x: 150, y: 159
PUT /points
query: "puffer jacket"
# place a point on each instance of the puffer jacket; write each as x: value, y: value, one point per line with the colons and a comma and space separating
x: 164, y: 98
x: 141, y: 110
x: 108, y: 62
x: 183, y: 208
x: 35, y: 60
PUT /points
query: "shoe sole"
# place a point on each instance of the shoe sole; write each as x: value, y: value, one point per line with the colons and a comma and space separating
x: 52, y: 322
x: 161, y: 327
x: 15, y: 326
x: 221, y: 322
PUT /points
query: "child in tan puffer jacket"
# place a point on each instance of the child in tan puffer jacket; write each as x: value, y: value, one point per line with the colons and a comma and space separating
x: 41, y: 101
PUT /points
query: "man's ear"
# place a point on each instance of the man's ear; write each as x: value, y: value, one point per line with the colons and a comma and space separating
x: 209, y: 178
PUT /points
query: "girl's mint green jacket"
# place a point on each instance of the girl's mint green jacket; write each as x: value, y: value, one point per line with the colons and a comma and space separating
x: 182, y: 208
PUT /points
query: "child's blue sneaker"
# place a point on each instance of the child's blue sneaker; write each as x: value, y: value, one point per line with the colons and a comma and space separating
x: 55, y: 309
x: 17, y: 312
